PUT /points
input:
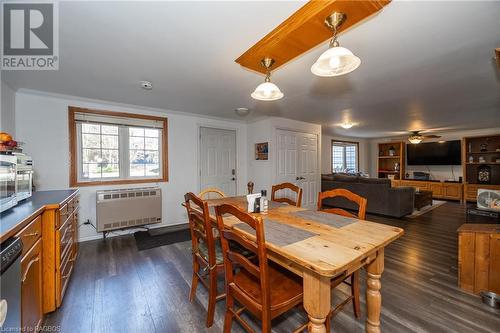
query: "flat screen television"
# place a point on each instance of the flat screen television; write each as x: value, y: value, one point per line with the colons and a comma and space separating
x: 434, y: 153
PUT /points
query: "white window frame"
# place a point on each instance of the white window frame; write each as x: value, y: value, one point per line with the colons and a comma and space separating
x: 344, y: 144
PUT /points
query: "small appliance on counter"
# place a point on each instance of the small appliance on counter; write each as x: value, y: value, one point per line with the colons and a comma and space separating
x: 8, y: 173
x: 24, y: 177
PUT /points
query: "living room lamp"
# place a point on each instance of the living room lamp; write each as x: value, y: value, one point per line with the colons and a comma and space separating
x: 336, y: 60
x: 267, y: 91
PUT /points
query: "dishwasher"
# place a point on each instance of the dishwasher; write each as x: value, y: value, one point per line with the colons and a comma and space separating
x: 10, y: 289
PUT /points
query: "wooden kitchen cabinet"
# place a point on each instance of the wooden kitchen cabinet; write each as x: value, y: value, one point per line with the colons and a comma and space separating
x: 31, y: 276
x: 479, y: 258
x: 60, y: 250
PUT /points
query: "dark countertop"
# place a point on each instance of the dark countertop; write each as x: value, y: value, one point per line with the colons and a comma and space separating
x: 12, y: 219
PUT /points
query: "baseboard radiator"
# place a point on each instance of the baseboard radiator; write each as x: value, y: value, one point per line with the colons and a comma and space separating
x: 126, y: 208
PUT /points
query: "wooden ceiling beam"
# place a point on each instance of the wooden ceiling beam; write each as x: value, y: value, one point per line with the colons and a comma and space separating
x: 304, y: 30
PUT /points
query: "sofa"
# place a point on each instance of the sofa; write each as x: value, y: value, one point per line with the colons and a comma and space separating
x: 382, y: 198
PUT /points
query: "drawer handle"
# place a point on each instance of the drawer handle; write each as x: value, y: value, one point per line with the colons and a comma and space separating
x: 31, y: 234
x: 29, y: 267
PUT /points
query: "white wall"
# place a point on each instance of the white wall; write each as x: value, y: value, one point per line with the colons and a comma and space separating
x: 8, y: 106
x: 263, y: 173
x: 438, y: 172
x: 42, y: 123
x: 326, y: 152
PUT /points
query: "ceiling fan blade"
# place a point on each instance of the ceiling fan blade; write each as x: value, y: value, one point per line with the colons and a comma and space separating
x: 432, y: 136
x: 497, y: 56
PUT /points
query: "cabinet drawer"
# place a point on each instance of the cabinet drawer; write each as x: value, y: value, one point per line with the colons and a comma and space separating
x: 31, y: 233
x: 63, y: 216
x: 63, y: 277
x: 65, y: 237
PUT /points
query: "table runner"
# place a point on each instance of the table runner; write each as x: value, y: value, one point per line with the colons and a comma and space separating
x: 332, y: 220
x: 277, y: 233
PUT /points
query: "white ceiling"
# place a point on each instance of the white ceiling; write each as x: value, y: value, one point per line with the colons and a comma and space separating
x: 425, y: 65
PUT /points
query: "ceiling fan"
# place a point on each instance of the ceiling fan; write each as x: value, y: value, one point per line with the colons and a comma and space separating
x: 415, y: 137
x: 497, y: 57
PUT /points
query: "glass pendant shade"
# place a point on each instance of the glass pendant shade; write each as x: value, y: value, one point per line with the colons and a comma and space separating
x: 415, y: 139
x: 267, y: 91
x: 335, y: 61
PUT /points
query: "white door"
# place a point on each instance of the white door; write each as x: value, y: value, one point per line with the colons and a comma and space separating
x: 297, y: 163
x: 218, y: 159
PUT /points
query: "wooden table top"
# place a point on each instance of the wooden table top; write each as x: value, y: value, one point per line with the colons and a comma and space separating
x: 332, y: 250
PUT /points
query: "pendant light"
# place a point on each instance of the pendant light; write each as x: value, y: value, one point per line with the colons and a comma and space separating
x: 336, y: 60
x: 267, y: 91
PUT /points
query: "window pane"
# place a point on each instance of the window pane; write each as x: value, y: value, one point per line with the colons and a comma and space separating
x: 151, y: 156
x: 91, y: 171
x: 91, y: 140
x: 137, y: 157
x: 110, y: 141
x: 134, y: 131
x: 152, y: 170
x: 137, y: 170
x: 109, y: 129
x: 151, y: 144
x: 110, y: 156
x: 91, y: 128
x: 153, y: 133
x: 136, y: 142
x: 110, y: 170
x: 91, y: 155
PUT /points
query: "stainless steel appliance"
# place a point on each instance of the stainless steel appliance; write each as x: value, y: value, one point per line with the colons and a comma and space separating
x: 10, y: 289
x: 24, y: 178
x: 8, y: 173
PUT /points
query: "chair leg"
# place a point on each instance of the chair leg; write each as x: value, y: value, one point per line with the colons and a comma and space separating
x: 212, y: 295
x: 194, y: 280
x: 228, y: 318
x: 355, y: 293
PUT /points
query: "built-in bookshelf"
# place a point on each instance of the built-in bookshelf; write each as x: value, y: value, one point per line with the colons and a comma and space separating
x: 391, y: 160
x: 481, y: 164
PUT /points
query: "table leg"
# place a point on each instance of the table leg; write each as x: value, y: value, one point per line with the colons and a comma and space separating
x: 373, y: 297
x: 317, y: 301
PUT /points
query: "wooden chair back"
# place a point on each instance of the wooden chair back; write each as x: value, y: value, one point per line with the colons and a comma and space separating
x: 290, y: 186
x: 206, y: 193
x: 201, y: 227
x: 340, y: 192
x: 233, y: 260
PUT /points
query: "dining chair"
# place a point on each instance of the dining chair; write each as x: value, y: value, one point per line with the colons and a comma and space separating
x: 263, y: 289
x: 354, y: 277
x: 207, y: 253
x: 284, y: 186
x: 206, y: 193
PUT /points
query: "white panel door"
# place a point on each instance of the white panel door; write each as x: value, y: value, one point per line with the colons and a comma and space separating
x: 297, y: 163
x: 218, y: 159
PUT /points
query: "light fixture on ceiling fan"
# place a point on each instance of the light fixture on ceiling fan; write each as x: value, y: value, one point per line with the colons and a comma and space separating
x: 336, y: 60
x: 267, y: 91
x: 415, y: 137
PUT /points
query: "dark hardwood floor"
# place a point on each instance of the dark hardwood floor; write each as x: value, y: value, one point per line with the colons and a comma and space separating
x: 116, y: 288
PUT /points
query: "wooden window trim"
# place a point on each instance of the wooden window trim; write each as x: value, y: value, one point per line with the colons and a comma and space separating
x: 73, y: 171
x: 343, y: 141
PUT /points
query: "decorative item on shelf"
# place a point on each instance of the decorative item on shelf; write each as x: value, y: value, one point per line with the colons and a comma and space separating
x: 484, y: 174
x: 481, y: 159
x: 498, y: 149
x: 250, y: 187
x: 484, y: 147
x: 336, y: 60
x: 396, y: 166
x: 392, y: 151
x: 407, y: 175
x: 471, y: 159
x: 262, y: 151
x: 267, y: 91
x: 497, y: 160
x: 470, y: 147
x: 391, y: 177
x: 380, y: 153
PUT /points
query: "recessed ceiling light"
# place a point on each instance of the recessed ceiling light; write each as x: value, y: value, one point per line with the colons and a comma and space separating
x: 242, y: 111
x: 147, y: 85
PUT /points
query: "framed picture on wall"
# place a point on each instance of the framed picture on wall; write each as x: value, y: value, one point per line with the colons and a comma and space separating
x: 262, y: 151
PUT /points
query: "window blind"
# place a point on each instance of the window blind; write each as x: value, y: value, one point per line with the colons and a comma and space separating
x: 117, y: 120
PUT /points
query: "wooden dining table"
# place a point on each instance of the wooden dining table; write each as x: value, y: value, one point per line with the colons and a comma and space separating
x: 321, y: 248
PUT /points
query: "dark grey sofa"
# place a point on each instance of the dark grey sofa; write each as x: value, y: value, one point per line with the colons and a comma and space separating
x: 382, y: 198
